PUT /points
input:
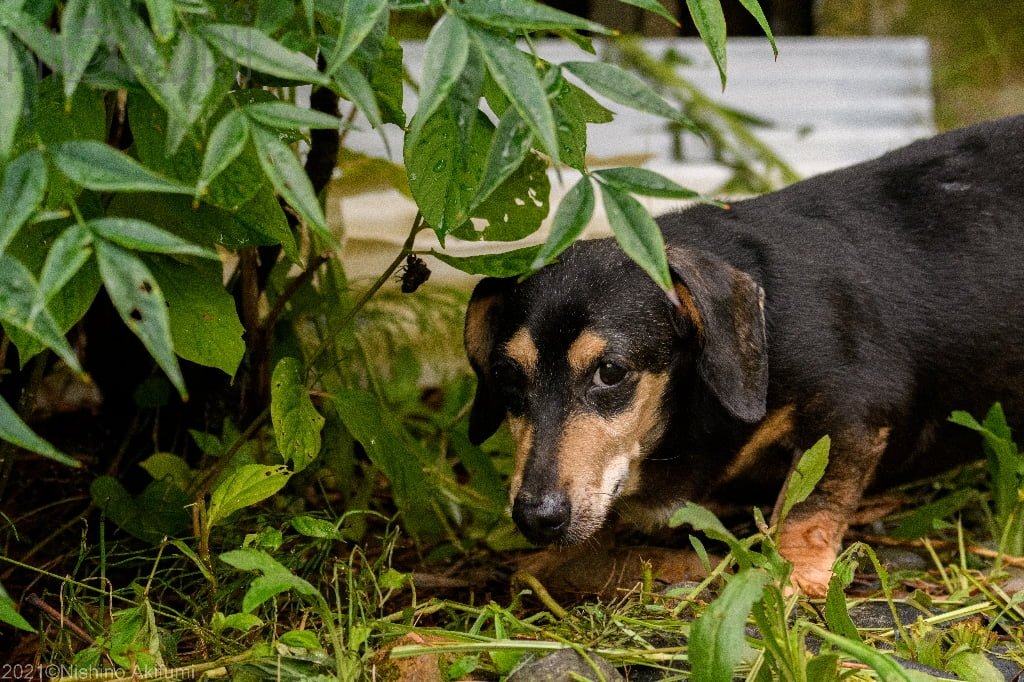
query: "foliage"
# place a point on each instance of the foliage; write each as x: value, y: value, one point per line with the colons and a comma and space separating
x: 159, y: 165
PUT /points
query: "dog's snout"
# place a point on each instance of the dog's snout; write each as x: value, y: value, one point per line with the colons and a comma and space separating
x: 543, y: 518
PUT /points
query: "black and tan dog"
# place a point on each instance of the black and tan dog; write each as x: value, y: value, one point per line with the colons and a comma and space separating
x: 865, y: 304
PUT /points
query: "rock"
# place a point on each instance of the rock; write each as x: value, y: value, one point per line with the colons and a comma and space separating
x: 561, y: 665
x: 900, y: 559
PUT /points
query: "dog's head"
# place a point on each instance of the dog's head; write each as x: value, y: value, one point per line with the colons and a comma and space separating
x: 584, y: 359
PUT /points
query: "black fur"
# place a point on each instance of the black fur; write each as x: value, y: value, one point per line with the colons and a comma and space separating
x: 893, y: 294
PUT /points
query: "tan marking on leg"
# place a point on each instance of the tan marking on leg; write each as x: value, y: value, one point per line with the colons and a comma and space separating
x: 812, y: 535
x: 523, y: 350
x: 522, y: 434
x: 772, y: 430
x: 812, y: 544
x: 585, y: 350
x: 596, y: 456
x: 478, y: 333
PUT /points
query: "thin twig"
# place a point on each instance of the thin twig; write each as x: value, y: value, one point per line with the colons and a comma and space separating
x: 541, y: 593
x: 58, y: 617
x: 293, y: 287
x: 364, y: 298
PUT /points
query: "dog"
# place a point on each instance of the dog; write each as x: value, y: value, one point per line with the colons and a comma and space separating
x: 865, y: 303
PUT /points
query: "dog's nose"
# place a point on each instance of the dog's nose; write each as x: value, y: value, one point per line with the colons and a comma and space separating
x: 542, y: 518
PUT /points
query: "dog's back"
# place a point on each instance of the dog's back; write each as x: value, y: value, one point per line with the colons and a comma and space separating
x: 879, y: 274
x: 864, y: 304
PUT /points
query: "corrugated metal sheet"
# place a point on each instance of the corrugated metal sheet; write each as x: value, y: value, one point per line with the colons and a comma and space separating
x: 831, y: 102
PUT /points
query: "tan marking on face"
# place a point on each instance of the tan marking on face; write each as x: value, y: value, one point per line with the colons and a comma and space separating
x: 522, y: 434
x: 478, y: 333
x: 523, y: 350
x: 598, y: 458
x: 773, y: 429
x: 586, y: 350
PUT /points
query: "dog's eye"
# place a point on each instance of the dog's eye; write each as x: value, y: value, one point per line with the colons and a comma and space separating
x: 608, y: 374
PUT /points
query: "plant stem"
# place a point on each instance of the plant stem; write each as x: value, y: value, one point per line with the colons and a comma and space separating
x: 364, y: 298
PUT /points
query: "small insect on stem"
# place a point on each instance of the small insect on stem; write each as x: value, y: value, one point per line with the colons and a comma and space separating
x: 413, y: 274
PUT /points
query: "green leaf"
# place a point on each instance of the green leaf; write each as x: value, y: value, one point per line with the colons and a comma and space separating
x: 702, y: 520
x: 593, y: 111
x: 19, y: 296
x: 286, y: 115
x: 142, y: 54
x: 226, y: 142
x: 509, y: 147
x: 297, y: 424
x: 69, y: 253
x: 387, y: 76
x: 302, y: 639
x: 656, y: 7
x: 253, y: 49
x: 974, y: 666
x: 13, y: 99
x: 571, y: 218
x: 268, y: 586
x: 161, y: 18
x: 754, y: 7
x: 82, y: 31
x: 506, y: 264
x: 888, y: 670
x: 240, y: 182
x: 141, y: 304
x: 164, y: 466
x: 249, y: 559
x: 710, y: 22
x: 357, y: 89
x: 312, y: 527
x: 637, y: 234
x: 647, y: 183
x: 442, y: 174
x: 243, y: 622
x: 444, y: 59
x: 928, y: 518
x: 391, y: 449
x: 524, y: 15
x: 10, y: 616
x: 139, y: 235
x: 290, y: 180
x: 203, y: 318
x: 717, y: 638
x: 837, y: 616
x: 276, y: 578
x: 625, y: 88
x: 100, y: 167
x: 157, y: 512
x: 193, y: 71
x: 516, y: 208
x: 357, y: 19
x: 21, y: 193
x: 244, y: 487
x: 14, y: 430
x: 808, y: 472
x: 570, y: 121
x: 515, y: 74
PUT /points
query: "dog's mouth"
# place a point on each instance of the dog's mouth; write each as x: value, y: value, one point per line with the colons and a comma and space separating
x: 568, y: 516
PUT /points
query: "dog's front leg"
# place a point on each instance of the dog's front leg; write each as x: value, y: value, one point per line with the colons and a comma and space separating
x: 811, y: 536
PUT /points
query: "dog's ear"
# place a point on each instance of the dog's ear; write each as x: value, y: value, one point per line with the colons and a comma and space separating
x: 726, y: 307
x: 480, y: 334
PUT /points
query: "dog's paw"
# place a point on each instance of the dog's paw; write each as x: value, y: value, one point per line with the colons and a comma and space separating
x: 811, y: 544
